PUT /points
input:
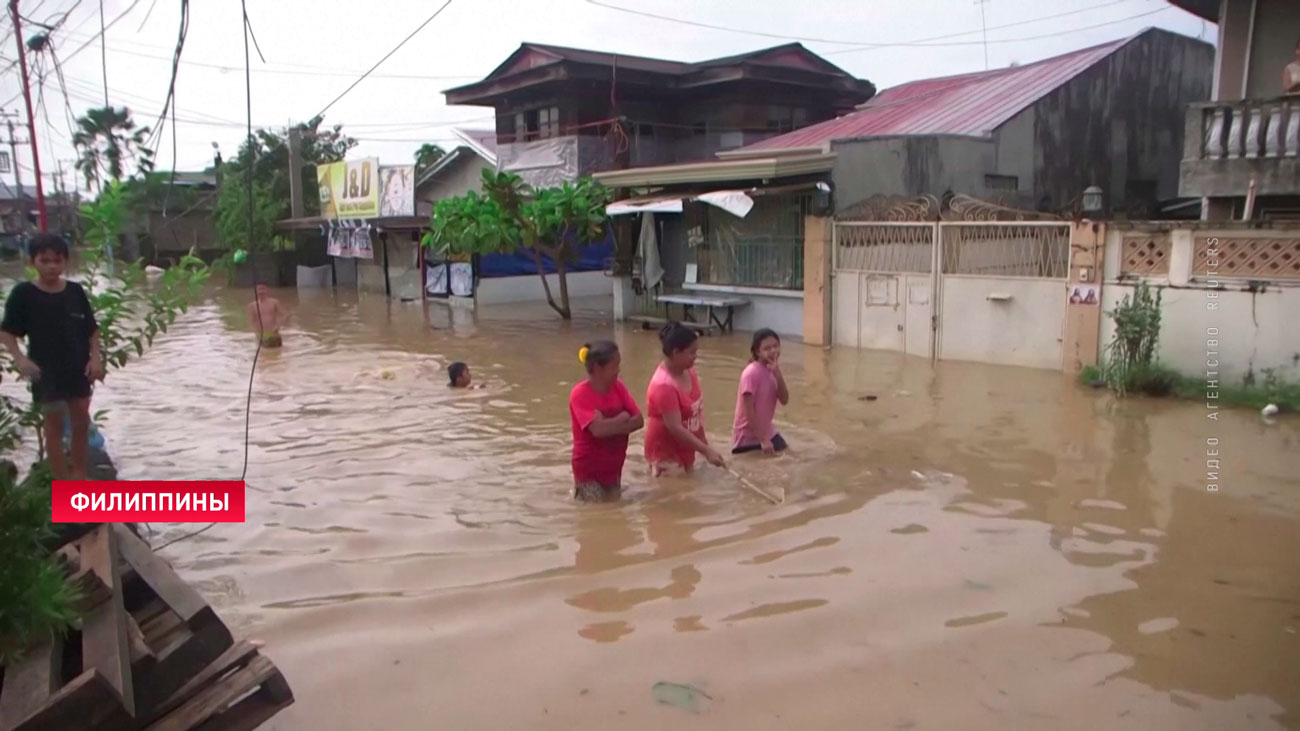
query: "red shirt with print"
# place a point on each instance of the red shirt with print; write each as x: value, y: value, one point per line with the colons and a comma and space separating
x: 664, y: 395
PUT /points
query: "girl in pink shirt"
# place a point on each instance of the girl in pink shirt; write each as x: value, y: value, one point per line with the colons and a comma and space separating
x: 674, y: 426
x: 762, y: 385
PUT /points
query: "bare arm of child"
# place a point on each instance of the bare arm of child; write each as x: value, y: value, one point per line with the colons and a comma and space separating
x: 25, y: 365
x: 673, y: 423
x: 782, y: 392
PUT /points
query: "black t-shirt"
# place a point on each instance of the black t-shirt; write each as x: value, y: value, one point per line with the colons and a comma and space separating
x: 57, y: 325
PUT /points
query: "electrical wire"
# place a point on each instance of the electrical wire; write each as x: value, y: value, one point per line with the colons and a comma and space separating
x: 1022, y: 39
x: 858, y: 45
x: 103, y: 50
x: 353, y: 85
x: 248, y: 402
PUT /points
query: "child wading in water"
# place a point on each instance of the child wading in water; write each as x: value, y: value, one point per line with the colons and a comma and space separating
x: 266, y: 315
x: 762, y: 385
x: 63, y: 359
x: 603, y: 414
x: 675, y: 430
x: 458, y: 376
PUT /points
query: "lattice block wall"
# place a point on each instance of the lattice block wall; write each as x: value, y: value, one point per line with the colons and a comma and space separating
x: 1146, y: 254
x: 1247, y: 257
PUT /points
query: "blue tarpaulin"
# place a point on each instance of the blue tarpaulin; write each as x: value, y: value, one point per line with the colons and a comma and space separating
x: 590, y: 258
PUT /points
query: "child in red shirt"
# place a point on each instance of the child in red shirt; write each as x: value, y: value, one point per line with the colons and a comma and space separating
x: 674, y: 404
x: 603, y: 414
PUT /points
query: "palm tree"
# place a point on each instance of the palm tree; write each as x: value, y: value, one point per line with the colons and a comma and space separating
x: 427, y: 156
x: 108, y: 141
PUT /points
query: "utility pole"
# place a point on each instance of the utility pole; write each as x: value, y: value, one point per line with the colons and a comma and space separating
x: 31, y: 121
x: 18, y: 174
x: 297, y: 209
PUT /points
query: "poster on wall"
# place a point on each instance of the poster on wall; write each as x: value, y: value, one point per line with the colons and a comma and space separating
x: 1082, y: 294
x: 462, y: 278
x: 397, y: 190
x: 435, y: 279
x: 349, y: 243
x: 349, y: 189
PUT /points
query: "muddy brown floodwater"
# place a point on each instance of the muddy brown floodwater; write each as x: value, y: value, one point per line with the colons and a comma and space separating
x: 977, y: 548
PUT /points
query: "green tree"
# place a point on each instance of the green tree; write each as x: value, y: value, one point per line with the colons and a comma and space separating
x: 231, y: 213
x: 510, y: 215
x: 427, y: 156
x: 268, y: 151
x: 108, y: 144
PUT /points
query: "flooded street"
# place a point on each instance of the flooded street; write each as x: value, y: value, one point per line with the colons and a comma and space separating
x: 977, y: 547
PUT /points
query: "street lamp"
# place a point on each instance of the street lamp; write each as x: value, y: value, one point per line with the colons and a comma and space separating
x: 1092, y: 200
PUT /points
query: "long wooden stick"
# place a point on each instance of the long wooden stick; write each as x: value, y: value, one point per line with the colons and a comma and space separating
x: 755, y: 488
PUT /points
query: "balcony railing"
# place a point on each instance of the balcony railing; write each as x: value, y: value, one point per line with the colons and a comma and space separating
x: 1229, y: 143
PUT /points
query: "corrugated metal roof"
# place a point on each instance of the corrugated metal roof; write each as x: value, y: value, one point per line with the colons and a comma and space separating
x: 971, y: 105
x: 483, y: 139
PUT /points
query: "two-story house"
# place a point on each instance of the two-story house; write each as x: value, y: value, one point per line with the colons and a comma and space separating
x: 563, y: 112
x: 1242, y: 148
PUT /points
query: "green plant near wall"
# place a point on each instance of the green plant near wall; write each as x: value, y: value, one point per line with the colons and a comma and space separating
x: 1131, y: 354
x: 36, y: 601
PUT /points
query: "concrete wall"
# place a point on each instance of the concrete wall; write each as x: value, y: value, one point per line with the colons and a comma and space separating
x: 1272, y: 46
x: 910, y: 166
x: 403, y: 269
x: 1255, y: 329
x: 458, y: 178
x: 977, y: 324
x: 779, y: 309
x: 528, y: 288
x: 1120, y: 123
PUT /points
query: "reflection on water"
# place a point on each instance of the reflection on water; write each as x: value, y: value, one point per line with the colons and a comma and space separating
x: 975, y: 547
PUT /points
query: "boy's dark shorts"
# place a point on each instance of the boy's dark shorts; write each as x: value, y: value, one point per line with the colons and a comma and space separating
x: 778, y: 445
x: 53, y: 388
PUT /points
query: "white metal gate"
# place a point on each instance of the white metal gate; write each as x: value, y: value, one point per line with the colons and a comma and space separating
x: 987, y: 291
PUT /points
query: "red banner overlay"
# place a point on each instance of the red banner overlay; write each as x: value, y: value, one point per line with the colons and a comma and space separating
x: 148, y: 502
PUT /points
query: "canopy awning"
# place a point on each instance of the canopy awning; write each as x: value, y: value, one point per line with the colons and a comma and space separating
x: 735, y: 202
x: 645, y: 204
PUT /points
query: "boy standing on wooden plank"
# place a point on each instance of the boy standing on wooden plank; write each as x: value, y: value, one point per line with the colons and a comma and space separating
x: 62, y: 359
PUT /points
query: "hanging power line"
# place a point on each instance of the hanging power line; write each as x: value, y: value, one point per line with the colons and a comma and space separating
x: 839, y: 41
x: 303, y: 71
x: 1057, y: 34
x: 353, y: 85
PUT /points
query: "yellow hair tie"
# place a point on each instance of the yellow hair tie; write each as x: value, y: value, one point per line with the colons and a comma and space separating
x: 582, y: 354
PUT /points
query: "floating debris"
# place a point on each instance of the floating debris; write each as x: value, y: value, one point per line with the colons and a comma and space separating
x: 685, y: 697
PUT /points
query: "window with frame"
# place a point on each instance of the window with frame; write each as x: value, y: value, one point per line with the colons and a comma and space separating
x: 537, y: 124
x: 1002, y: 183
x: 763, y: 249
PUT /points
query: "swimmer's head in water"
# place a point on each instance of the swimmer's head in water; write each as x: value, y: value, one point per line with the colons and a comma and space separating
x: 602, y: 360
x: 458, y: 375
x: 680, y: 345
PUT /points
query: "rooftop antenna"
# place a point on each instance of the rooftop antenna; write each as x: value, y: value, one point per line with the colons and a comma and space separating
x: 984, y: 29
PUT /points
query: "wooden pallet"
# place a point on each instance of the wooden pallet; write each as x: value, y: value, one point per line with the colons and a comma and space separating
x: 148, y: 648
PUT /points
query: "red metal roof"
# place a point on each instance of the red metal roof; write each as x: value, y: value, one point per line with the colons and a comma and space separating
x: 970, y: 105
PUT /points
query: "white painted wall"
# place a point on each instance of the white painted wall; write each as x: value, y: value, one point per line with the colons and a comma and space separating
x: 1255, y: 330
x: 528, y: 287
x: 1026, y: 330
x: 781, y: 310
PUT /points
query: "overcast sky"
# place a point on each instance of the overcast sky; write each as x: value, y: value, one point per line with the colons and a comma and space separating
x: 315, y: 48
